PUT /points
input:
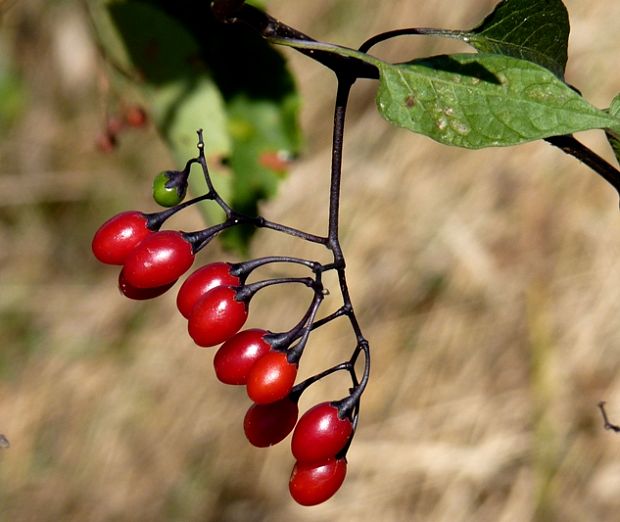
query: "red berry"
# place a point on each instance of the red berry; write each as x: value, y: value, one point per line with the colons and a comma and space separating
x: 271, y: 378
x: 217, y: 316
x: 140, y: 294
x: 106, y: 142
x: 119, y: 235
x: 267, y: 424
x: 311, y: 484
x: 135, y: 116
x: 158, y: 260
x: 200, y: 282
x: 113, y: 125
x: 236, y: 356
x: 320, y: 433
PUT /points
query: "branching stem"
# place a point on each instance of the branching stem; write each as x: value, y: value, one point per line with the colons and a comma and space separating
x: 606, y: 424
x: 349, y: 65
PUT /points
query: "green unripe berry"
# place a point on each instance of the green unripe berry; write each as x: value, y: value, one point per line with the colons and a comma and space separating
x: 169, y: 188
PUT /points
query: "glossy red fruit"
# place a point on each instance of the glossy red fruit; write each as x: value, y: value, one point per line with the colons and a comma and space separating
x: 267, y: 424
x: 216, y: 316
x: 119, y: 235
x: 271, y: 378
x: 158, y: 260
x: 200, y: 282
x: 313, y: 483
x: 235, y: 357
x: 140, y: 294
x: 320, y: 434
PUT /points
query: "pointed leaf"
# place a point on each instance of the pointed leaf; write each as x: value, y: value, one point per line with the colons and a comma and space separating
x: 478, y: 100
x: 534, y: 30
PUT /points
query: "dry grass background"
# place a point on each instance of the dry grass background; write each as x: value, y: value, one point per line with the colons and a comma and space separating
x: 486, y: 282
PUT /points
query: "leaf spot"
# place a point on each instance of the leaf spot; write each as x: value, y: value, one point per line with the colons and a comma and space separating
x: 460, y: 127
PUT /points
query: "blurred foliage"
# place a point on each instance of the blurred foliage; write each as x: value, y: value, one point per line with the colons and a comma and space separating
x: 12, y: 88
x: 195, y: 73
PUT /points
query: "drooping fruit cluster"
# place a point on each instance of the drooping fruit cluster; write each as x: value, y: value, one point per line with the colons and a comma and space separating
x: 215, y: 300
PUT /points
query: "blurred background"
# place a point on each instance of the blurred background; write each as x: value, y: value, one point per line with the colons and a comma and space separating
x: 485, y: 282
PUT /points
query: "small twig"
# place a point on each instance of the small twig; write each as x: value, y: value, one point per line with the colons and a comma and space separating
x: 607, y: 425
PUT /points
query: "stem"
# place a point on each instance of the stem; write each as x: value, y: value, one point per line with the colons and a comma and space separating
x: 201, y: 238
x: 570, y: 145
x: 246, y: 292
x: 347, y: 407
x: 606, y: 424
x: 298, y: 389
x: 205, y: 169
x: 246, y: 267
x: 155, y: 220
x: 349, y: 65
x: 277, y: 32
x: 235, y: 218
x: 284, y: 340
x: 343, y: 310
x: 261, y: 222
x: 426, y: 31
x: 294, y: 354
x: 307, y: 44
x: 342, y: 96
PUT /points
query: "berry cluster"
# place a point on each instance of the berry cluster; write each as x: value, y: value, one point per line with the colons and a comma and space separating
x: 215, y: 300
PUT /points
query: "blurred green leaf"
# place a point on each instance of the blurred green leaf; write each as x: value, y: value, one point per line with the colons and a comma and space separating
x: 196, y: 73
x: 265, y: 136
x: 12, y: 95
x: 163, y: 61
x: 614, y: 138
x: 261, y: 4
x: 483, y: 100
x: 534, y: 30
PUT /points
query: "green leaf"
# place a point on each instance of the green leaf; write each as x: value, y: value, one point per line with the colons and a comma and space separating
x: 197, y: 73
x: 483, y: 100
x: 264, y: 135
x: 534, y: 30
x: 12, y: 95
x: 614, y: 138
x: 161, y: 59
x: 261, y: 4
